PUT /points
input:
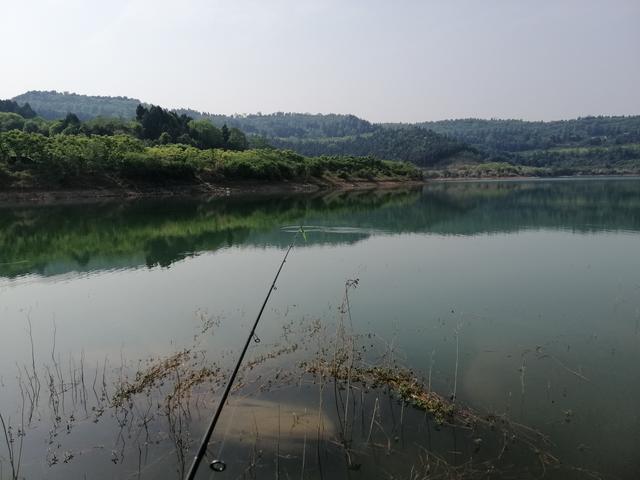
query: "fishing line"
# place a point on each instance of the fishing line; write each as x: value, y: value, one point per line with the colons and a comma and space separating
x: 218, y: 465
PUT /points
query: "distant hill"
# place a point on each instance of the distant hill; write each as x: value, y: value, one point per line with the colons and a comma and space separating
x: 305, y: 133
x: 334, y: 134
x: 54, y: 105
x: 590, y: 141
x: 417, y: 145
x: 520, y: 135
x: 290, y: 125
x: 10, y: 106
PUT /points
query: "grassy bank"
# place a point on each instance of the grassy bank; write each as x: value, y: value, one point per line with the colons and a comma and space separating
x: 31, y: 161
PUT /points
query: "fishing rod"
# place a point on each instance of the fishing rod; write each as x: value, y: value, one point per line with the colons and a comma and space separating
x: 219, y: 465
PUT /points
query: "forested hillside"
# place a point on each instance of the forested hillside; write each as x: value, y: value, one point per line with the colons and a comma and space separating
x: 10, y: 106
x: 417, y: 145
x: 500, y: 147
x: 156, y: 148
x: 519, y: 135
x: 332, y: 134
x: 153, y: 124
x: 290, y: 125
x: 306, y: 134
x: 54, y: 105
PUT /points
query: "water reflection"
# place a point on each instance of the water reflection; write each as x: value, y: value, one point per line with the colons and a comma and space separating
x: 520, y: 300
x: 53, y: 240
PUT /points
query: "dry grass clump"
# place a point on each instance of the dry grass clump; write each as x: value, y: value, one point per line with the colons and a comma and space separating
x: 149, y: 377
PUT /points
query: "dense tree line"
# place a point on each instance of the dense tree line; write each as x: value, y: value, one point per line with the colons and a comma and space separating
x: 166, y: 126
x: 333, y: 134
x: 594, y: 142
x: 417, y: 145
x: 33, y: 160
x: 291, y: 125
x: 614, y: 156
x: 153, y: 124
x: 11, y: 106
x: 519, y: 135
x: 308, y: 134
x: 52, y: 105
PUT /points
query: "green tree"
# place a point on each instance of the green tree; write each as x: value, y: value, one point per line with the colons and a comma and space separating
x: 164, y: 138
x: 140, y: 112
x: 31, y: 126
x: 10, y: 121
x: 205, y: 134
x: 237, y: 140
x: 71, y: 124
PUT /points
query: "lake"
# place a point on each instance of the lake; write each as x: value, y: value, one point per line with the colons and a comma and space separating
x: 458, y: 330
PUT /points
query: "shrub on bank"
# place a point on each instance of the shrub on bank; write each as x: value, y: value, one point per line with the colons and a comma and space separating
x: 67, y: 160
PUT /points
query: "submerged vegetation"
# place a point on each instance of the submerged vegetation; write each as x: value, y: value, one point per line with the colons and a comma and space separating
x: 355, y: 403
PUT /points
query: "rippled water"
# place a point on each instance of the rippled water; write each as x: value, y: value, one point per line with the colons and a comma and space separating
x: 522, y: 298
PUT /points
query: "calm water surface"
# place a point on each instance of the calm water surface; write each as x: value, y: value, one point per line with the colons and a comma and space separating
x: 522, y: 298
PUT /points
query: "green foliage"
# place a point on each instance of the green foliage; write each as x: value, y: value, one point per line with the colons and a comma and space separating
x: 11, y: 106
x: 583, y: 156
x: 519, y: 135
x: 419, y: 146
x: 36, y: 125
x: 263, y: 164
x: 316, y: 135
x: 205, y: 134
x: 489, y: 170
x: 237, y: 140
x: 432, y: 145
x: 11, y: 121
x: 61, y: 159
x: 290, y: 125
x: 64, y: 160
x: 156, y: 121
x: 154, y: 124
x: 310, y: 135
x: 225, y: 133
x: 109, y: 126
x: 258, y: 142
x: 54, y: 105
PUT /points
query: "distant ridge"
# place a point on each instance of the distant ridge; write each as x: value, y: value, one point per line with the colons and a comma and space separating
x: 307, y: 134
x: 53, y: 105
x: 521, y: 135
x: 601, y: 140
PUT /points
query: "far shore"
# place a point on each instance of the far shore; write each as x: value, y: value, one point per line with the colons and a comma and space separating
x: 228, y: 189
x: 533, y: 178
x: 243, y: 188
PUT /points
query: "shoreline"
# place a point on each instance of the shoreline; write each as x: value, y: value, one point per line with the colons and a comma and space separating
x: 526, y: 178
x: 242, y: 188
x: 218, y: 190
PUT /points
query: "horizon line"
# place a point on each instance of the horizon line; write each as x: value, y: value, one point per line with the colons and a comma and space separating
x: 397, y: 122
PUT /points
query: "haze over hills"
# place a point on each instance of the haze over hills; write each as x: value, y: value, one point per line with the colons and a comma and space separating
x: 567, y: 143
x: 52, y: 105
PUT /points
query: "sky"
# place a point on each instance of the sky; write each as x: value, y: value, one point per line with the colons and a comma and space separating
x: 386, y: 61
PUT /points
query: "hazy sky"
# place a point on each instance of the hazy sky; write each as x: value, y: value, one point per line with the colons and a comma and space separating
x: 394, y: 60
